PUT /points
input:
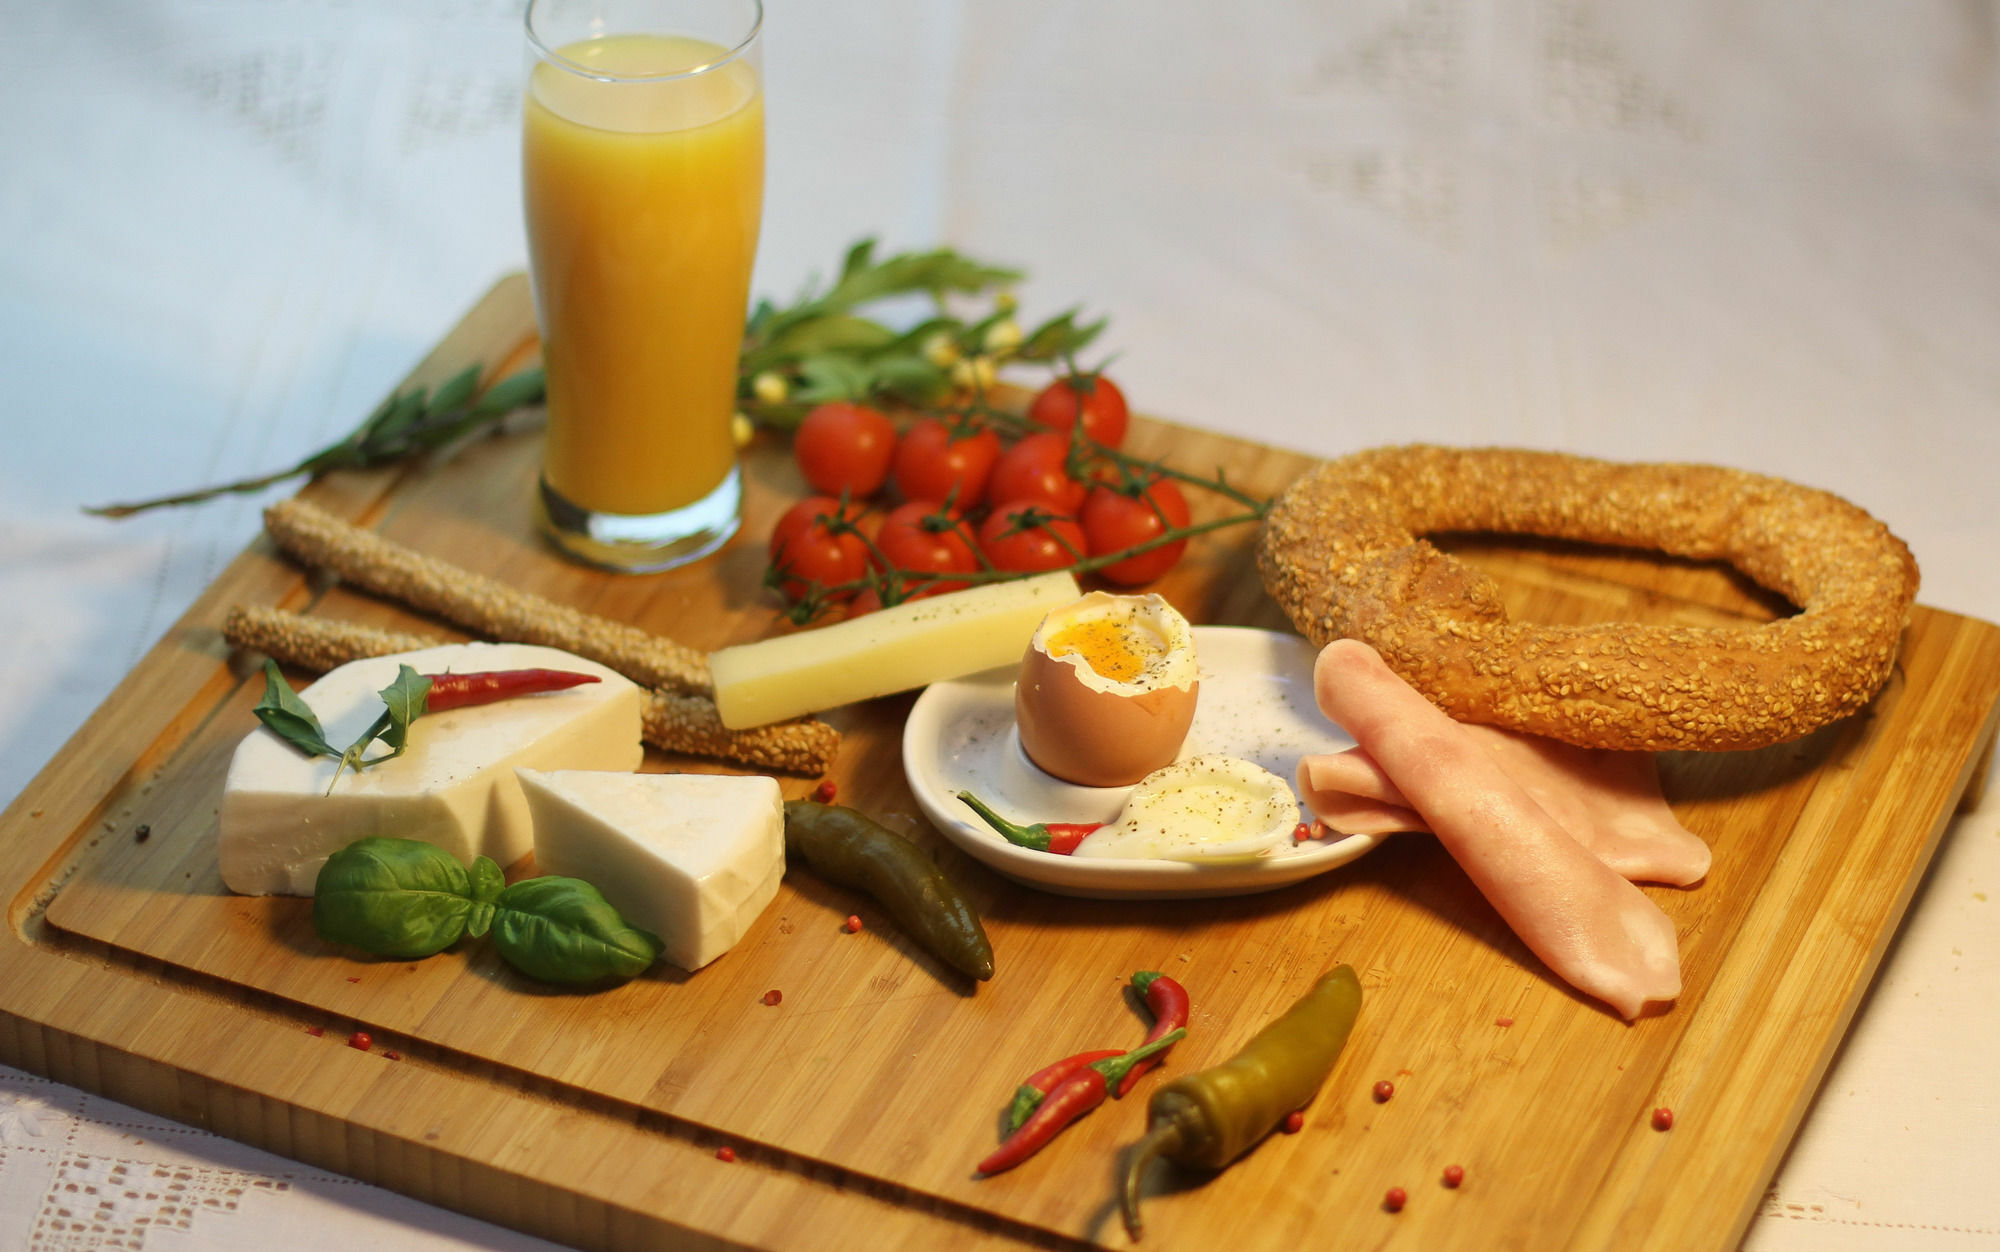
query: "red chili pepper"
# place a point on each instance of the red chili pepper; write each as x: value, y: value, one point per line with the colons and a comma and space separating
x: 1060, y: 838
x: 1169, y: 1002
x: 1076, y: 1095
x: 458, y: 691
x: 1038, y: 1084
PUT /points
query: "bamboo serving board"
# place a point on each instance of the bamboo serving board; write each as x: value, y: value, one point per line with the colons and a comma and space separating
x: 858, y: 1105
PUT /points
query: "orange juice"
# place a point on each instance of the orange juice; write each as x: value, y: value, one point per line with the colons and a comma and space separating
x: 644, y: 196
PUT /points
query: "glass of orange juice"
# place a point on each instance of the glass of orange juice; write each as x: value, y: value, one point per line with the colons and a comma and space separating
x: 643, y: 177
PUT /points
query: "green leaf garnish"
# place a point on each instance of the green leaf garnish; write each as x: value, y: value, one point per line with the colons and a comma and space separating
x: 290, y: 718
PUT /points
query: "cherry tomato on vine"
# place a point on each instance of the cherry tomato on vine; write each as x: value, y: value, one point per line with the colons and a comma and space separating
x: 807, y: 547
x: 1027, y: 536
x: 1036, y: 468
x: 844, y: 447
x: 923, y: 537
x: 862, y: 605
x: 1114, y: 519
x: 934, y: 460
x: 1105, y: 416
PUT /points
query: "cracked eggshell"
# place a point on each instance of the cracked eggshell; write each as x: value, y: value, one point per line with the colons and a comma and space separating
x: 1099, y: 730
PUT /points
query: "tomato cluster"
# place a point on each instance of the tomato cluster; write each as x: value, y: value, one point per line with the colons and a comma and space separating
x: 967, y: 501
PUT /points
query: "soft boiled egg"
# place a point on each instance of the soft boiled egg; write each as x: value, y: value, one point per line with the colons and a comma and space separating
x: 1107, y: 689
x: 1205, y: 808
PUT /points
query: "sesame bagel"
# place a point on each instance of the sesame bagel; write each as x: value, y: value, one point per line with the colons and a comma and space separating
x: 1342, y: 552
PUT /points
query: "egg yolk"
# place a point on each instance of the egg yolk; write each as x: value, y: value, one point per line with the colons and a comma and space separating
x: 1117, y: 648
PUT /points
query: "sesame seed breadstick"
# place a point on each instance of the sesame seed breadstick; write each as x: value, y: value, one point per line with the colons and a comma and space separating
x: 673, y: 720
x: 482, y: 605
x: 315, y: 643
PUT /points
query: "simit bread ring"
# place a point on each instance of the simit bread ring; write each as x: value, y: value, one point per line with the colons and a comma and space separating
x: 1340, y: 553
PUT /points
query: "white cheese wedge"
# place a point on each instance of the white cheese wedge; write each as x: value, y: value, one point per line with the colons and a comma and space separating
x: 694, y: 858
x: 895, y: 649
x: 454, y: 786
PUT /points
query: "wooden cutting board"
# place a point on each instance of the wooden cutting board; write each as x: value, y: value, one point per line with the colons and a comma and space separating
x: 858, y: 1105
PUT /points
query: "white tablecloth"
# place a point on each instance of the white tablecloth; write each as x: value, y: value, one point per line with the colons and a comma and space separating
x: 1759, y: 233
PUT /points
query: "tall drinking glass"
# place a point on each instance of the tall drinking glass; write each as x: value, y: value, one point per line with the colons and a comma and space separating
x: 643, y: 175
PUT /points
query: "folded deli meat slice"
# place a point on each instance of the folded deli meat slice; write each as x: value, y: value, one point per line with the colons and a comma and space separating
x: 1607, y: 800
x: 1593, y: 928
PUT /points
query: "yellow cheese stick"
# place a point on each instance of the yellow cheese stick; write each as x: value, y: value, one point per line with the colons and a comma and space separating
x: 894, y: 649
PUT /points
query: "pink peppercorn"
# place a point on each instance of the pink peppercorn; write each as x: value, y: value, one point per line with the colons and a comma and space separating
x: 1454, y: 1175
x: 1663, y: 1119
x: 852, y: 925
x: 825, y: 792
x: 1295, y: 1121
x: 725, y: 1153
x: 360, y: 1039
x: 773, y: 996
x: 1394, y: 1199
x: 1383, y: 1090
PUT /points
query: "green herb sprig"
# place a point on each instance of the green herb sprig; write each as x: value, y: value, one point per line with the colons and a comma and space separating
x: 407, y: 424
x: 290, y: 718
x: 820, y: 348
x: 406, y: 899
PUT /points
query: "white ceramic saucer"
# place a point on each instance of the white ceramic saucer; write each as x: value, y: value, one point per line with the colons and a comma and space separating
x: 1255, y: 702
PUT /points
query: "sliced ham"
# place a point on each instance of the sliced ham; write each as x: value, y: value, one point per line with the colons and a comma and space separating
x: 1608, y: 801
x: 1592, y: 927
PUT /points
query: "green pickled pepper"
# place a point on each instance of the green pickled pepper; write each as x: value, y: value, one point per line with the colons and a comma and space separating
x: 1208, y: 1119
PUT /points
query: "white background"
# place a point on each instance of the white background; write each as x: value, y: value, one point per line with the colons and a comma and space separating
x: 1759, y: 233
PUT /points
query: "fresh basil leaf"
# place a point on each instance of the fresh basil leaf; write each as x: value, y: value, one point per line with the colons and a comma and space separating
x: 290, y: 718
x: 394, y: 897
x: 562, y: 930
x: 487, y: 884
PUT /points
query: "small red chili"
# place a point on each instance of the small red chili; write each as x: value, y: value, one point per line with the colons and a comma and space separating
x: 725, y: 1153
x: 1038, y: 1084
x: 1060, y: 838
x: 1663, y: 1119
x: 1076, y: 1095
x: 1383, y: 1090
x: 1295, y: 1121
x: 1394, y: 1199
x: 852, y: 925
x: 825, y: 792
x: 458, y: 691
x: 360, y: 1039
x: 773, y: 996
x: 1454, y: 1175
x: 1169, y: 1002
